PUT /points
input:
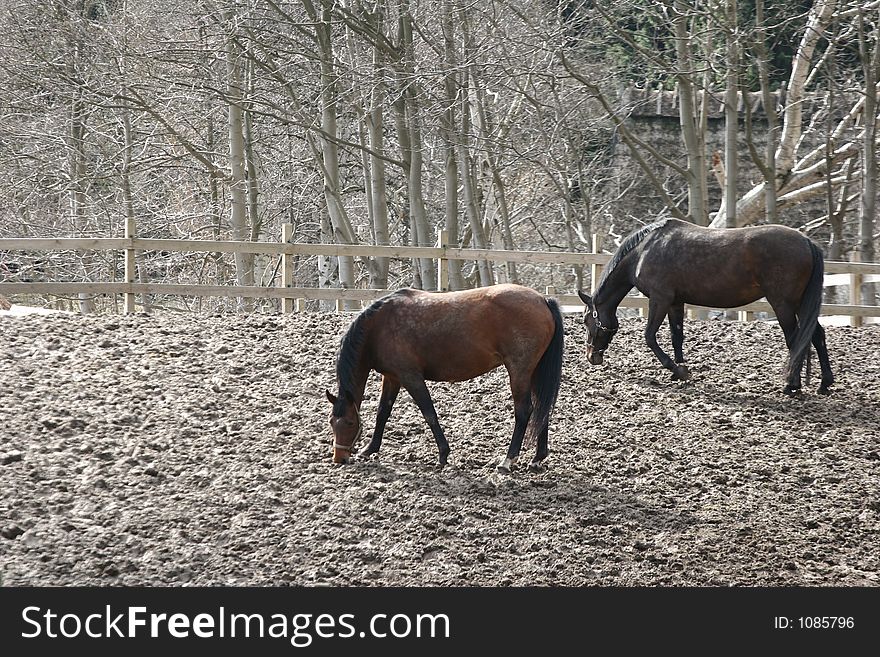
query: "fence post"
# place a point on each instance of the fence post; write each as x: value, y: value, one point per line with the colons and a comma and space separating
x: 442, y: 261
x: 746, y: 315
x: 287, y: 303
x: 130, y: 267
x: 855, y: 297
x: 550, y: 291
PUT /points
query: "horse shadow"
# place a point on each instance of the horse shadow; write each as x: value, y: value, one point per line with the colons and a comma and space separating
x: 585, y: 501
x: 851, y: 409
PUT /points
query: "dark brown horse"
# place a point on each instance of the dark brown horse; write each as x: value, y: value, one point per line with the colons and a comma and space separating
x: 674, y: 262
x: 412, y: 336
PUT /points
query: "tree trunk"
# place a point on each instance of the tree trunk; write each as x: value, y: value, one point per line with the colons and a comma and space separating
x: 378, y: 191
x: 339, y: 223
x: 696, y: 157
x: 371, y: 138
x: 466, y: 167
x: 328, y: 266
x: 868, y: 207
x: 127, y: 199
x: 750, y: 205
x: 471, y: 203
x: 253, y: 188
x: 499, y: 196
x: 378, y: 195
x: 451, y: 88
x: 77, y: 163
x: 127, y: 160
x: 422, y: 235
x: 731, y: 117
x: 769, y: 103
x: 238, y: 219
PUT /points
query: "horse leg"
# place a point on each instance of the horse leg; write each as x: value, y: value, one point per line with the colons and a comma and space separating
x: 656, y: 313
x: 390, y: 388
x: 542, y: 450
x: 824, y: 361
x: 787, y: 319
x: 522, y: 409
x: 419, y: 392
x: 676, y: 329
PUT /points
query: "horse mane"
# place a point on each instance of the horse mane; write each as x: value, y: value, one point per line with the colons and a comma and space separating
x: 352, y: 345
x: 628, y: 244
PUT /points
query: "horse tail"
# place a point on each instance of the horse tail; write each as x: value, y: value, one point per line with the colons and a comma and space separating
x: 808, y: 312
x: 546, y: 379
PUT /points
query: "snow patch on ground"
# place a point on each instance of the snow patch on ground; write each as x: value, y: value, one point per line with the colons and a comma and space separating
x: 18, y: 311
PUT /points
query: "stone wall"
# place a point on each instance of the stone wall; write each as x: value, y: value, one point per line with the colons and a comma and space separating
x: 653, y: 116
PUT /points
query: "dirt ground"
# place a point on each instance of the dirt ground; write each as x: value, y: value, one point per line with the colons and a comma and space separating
x: 195, y: 450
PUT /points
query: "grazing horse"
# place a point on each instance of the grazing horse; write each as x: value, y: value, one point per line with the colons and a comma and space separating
x: 412, y: 336
x: 673, y: 262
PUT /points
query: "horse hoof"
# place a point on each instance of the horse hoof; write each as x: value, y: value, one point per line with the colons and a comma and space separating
x: 791, y: 392
x: 681, y: 373
x: 503, y: 469
x: 824, y: 391
x: 506, y: 465
x: 537, y: 466
x: 365, y: 454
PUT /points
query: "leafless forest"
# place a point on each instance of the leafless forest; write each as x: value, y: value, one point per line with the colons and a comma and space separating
x: 508, y: 123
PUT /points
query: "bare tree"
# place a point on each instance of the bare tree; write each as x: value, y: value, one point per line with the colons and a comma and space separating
x: 449, y: 134
x: 869, y: 54
x: 731, y: 114
x: 767, y: 165
x: 422, y: 233
x: 794, y: 179
x: 238, y: 219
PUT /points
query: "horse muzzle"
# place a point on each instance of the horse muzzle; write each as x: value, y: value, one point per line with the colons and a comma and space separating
x: 595, y: 357
x: 342, y: 455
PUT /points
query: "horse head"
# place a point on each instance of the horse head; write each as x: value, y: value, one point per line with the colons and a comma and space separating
x: 345, y: 421
x: 601, y: 327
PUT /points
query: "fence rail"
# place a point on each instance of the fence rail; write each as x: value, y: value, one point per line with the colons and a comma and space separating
x: 290, y: 295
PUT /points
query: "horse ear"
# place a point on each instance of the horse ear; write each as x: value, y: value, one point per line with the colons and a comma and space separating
x: 586, y: 298
x: 331, y: 397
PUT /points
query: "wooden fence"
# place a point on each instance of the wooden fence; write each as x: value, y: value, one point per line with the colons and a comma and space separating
x: 292, y: 298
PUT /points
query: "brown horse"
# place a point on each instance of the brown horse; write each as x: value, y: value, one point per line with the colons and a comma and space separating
x: 412, y: 336
x: 674, y: 262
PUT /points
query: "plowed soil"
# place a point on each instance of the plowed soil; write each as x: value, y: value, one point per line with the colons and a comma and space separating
x: 195, y: 450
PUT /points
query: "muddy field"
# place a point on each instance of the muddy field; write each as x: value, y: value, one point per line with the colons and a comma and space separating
x: 195, y: 450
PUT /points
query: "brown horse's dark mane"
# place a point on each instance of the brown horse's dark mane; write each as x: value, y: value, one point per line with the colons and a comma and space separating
x: 631, y: 242
x: 349, y: 356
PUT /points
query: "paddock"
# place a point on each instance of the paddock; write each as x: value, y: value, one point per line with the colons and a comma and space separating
x: 195, y: 450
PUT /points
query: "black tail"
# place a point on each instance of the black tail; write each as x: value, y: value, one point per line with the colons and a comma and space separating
x: 546, y: 380
x: 808, y: 313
